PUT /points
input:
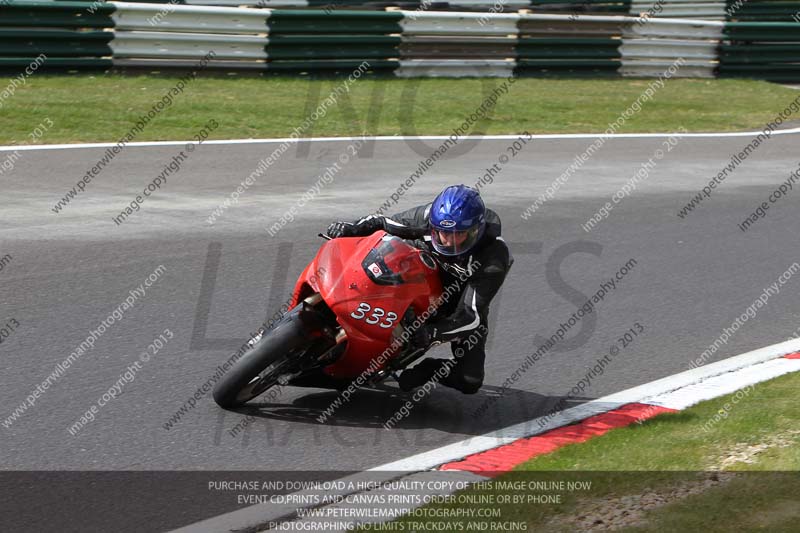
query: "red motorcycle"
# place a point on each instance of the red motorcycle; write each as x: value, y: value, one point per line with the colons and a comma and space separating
x: 349, y: 311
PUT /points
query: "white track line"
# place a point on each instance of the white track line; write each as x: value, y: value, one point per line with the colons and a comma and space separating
x: 394, y: 138
x: 459, y: 450
x: 729, y: 383
x: 681, y: 390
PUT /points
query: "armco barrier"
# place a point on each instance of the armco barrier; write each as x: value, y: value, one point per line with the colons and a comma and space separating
x: 650, y: 48
x: 617, y: 7
x: 414, y: 43
x: 689, y: 9
x: 54, y: 43
x: 190, y: 19
x: 763, y: 50
x: 731, y: 10
x: 739, y: 10
x: 59, y: 14
x: 348, y: 22
x: 255, y: 39
x: 763, y: 11
x: 67, y: 33
x: 402, y: 43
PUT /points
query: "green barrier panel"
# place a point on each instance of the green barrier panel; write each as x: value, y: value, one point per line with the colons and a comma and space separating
x: 36, y: 20
x: 54, y: 43
x: 763, y: 11
x: 544, y: 48
x: 323, y: 40
x: 771, y: 67
x: 569, y: 63
x: 767, y: 11
x: 317, y: 22
x: 567, y: 68
x: 754, y: 51
x: 769, y: 72
x: 759, y: 59
x: 334, y: 40
x: 763, y: 36
x: 56, y: 63
x: 759, y: 53
x: 762, y: 31
x: 56, y: 14
x: 333, y: 47
x: 101, y: 8
x: 765, y: 7
x: 766, y: 18
x: 342, y: 52
x: 64, y: 49
x: 582, y: 73
x: 583, y: 7
x: 787, y: 11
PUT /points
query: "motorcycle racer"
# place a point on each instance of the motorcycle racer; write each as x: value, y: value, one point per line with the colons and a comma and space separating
x: 464, y: 237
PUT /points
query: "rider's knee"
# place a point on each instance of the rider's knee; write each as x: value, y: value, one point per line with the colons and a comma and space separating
x: 470, y: 384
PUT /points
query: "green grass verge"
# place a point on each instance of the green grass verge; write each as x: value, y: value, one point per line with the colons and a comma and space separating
x: 765, y: 502
x: 753, y: 433
x: 105, y: 107
x: 695, y: 438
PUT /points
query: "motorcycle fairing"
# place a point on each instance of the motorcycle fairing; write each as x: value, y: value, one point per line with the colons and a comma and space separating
x: 369, y: 283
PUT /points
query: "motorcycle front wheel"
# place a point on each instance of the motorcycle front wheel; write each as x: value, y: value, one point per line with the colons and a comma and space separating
x: 276, y: 353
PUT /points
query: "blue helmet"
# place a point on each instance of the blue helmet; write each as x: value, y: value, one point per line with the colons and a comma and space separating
x: 457, y: 219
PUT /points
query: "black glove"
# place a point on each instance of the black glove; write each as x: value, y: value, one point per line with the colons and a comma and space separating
x: 341, y: 229
x: 424, y: 337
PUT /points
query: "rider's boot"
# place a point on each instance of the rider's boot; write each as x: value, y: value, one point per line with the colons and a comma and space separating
x: 417, y: 376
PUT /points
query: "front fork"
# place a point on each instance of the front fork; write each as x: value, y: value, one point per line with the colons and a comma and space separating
x: 314, y: 319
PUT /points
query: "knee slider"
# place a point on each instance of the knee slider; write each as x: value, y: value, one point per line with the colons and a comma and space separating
x: 470, y: 384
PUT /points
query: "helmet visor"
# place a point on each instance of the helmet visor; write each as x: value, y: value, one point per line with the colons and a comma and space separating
x: 454, y: 242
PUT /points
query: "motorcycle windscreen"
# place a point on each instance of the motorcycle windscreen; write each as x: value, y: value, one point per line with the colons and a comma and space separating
x: 391, y: 262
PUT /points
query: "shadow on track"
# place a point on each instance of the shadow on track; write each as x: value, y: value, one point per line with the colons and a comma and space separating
x: 441, y: 409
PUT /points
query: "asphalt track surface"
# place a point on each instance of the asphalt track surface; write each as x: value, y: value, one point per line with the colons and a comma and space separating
x: 692, y: 278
